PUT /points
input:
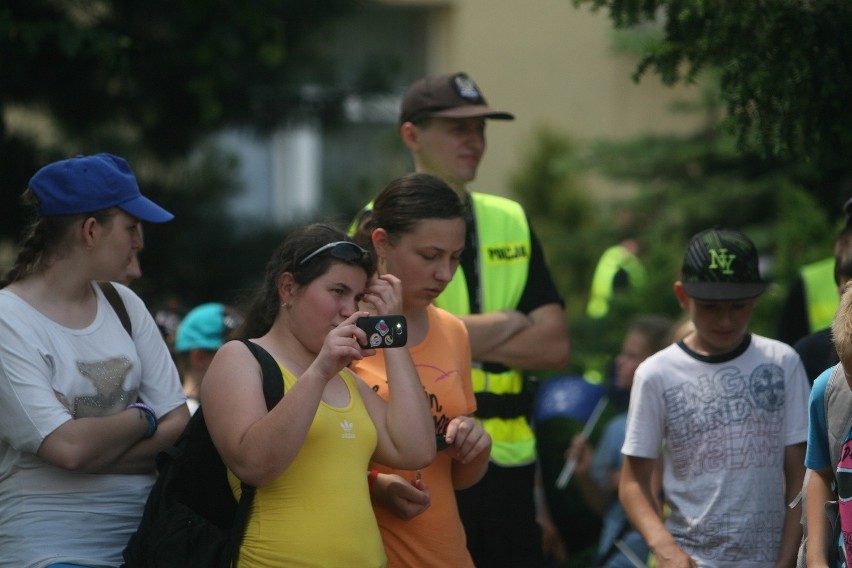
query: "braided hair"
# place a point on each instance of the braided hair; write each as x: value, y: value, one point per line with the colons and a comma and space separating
x: 46, y: 239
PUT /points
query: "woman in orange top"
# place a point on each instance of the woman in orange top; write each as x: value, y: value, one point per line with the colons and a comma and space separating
x: 416, y: 229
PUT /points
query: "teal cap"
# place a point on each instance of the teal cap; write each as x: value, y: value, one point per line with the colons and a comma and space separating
x: 204, y: 327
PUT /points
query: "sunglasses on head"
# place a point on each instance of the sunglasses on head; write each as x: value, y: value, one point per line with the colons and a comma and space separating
x: 341, y: 250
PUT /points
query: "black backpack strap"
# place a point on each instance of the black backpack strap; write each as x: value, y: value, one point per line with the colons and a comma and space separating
x: 273, y: 391
x: 117, y: 304
x: 273, y: 382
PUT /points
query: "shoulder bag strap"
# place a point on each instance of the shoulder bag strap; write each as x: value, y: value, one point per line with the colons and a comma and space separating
x: 273, y: 381
x: 273, y: 391
x: 114, y: 300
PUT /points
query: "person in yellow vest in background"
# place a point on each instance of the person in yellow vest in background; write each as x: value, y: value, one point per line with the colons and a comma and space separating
x: 817, y: 349
x: 618, y: 272
x: 811, y: 302
x: 619, y: 268
x: 513, y: 313
x: 813, y: 298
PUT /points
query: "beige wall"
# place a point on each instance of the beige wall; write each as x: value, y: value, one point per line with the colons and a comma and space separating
x: 551, y: 64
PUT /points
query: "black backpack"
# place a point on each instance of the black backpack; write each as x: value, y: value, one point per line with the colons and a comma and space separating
x: 191, y: 518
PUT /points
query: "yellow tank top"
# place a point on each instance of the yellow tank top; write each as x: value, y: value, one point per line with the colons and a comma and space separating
x: 318, y: 512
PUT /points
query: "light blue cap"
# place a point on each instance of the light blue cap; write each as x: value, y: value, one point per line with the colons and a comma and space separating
x: 202, y: 328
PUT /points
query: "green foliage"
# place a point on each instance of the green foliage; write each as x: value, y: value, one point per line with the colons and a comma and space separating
x: 151, y: 80
x: 170, y: 71
x: 555, y: 196
x: 783, y: 67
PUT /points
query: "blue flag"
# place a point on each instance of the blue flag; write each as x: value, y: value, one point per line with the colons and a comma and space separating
x: 567, y: 397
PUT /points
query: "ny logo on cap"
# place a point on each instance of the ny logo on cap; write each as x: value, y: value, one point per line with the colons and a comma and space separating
x: 466, y: 87
x: 721, y: 259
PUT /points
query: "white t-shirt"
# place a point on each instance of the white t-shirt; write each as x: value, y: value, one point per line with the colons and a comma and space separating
x: 48, y: 514
x: 723, y: 424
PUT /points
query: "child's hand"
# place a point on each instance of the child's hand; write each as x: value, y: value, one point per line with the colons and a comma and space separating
x: 582, y: 452
x: 467, y: 438
x: 406, y: 499
x: 341, y: 347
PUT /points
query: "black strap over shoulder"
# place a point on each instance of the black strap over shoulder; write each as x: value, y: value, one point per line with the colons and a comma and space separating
x: 273, y: 381
x: 273, y: 391
x: 114, y: 300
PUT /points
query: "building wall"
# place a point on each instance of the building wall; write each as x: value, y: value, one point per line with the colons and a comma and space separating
x: 546, y: 61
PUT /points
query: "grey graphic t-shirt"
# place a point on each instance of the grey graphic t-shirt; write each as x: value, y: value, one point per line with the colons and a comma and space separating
x: 722, y: 425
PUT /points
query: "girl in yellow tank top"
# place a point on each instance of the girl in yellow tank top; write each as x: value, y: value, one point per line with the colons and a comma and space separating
x: 309, y: 455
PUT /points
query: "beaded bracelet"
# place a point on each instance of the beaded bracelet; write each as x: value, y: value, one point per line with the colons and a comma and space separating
x: 149, y: 414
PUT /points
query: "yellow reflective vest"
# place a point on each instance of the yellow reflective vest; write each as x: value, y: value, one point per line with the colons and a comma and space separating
x: 821, y: 296
x: 503, y: 259
x: 613, y: 259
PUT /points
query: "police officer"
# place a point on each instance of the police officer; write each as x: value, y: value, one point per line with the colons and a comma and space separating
x: 513, y: 312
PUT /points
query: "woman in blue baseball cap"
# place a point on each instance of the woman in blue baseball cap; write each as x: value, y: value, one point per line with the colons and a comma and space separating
x: 89, y: 393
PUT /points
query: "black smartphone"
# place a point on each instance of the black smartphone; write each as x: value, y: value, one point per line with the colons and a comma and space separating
x: 384, y: 331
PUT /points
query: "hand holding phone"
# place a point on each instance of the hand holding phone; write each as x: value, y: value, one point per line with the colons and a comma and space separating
x: 383, y: 331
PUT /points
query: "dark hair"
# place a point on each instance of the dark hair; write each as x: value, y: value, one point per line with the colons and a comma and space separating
x: 406, y: 201
x: 264, y: 305
x: 45, y: 238
x: 655, y: 329
x: 843, y: 255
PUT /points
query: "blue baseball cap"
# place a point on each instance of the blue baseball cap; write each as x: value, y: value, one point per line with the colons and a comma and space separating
x: 206, y: 326
x: 86, y: 184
